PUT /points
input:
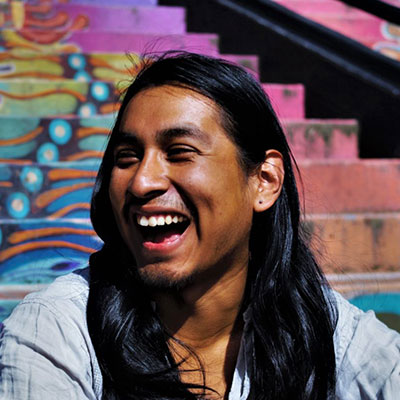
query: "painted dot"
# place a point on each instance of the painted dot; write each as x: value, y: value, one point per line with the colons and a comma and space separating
x: 87, y: 110
x: 82, y: 76
x: 60, y: 131
x: 100, y: 91
x: 18, y: 205
x: 5, y: 172
x: 47, y: 152
x: 31, y: 178
x: 77, y: 61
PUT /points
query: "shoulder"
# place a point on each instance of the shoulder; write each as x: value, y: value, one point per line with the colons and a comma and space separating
x: 367, y: 354
x: 71, y: 290
x: 63, y: 302
x: 49, y: 329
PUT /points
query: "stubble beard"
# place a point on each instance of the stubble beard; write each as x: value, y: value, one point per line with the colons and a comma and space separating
x: 156, y: 280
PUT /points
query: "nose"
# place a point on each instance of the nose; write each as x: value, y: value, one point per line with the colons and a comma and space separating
x: 150, y: 178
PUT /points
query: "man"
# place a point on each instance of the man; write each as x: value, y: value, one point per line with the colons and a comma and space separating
x: 204, y: 287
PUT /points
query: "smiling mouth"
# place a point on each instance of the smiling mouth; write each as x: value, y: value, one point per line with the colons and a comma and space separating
x: 161, y: 228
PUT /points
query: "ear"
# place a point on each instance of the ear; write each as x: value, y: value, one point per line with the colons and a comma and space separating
x: 269, y: 180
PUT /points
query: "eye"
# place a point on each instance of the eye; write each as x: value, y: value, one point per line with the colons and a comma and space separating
x: 181, y: 153
x: 125, y: 157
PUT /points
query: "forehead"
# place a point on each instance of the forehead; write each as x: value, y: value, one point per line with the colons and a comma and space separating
x: 163, y: 107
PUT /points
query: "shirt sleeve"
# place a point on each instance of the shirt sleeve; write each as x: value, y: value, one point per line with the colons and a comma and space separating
x: 43, y: 356
x: 367, y: 356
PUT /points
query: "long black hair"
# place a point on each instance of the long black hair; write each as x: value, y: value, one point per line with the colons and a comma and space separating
x: 291, y: 320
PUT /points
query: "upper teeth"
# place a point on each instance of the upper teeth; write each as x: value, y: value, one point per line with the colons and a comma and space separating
x: 159, y: 220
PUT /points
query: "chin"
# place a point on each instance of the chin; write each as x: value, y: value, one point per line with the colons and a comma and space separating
x: 162, y: 280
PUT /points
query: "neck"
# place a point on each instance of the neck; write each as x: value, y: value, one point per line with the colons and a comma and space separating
x: 204, y: 312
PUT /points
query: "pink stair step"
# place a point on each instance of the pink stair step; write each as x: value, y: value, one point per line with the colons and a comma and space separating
x: 356, y: 243
x: 351, y: 186
x: 117, y: 2
x: 320, y: 7
x: 358, y: 25
x: 362, y: 28
x: 133, y: 19
x: 109, y: 42
x: 286, y: 99
x: 100, y: 2
x: 322, y: 139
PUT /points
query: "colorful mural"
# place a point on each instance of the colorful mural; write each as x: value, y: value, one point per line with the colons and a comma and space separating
x: 35, y: 98
x: 53, y: 16
x: 114, y: 67
x: 81, y: 67
x: 38, y: 250
x: 52, y: 190
x: 104, y: 41
x: 43, y: 140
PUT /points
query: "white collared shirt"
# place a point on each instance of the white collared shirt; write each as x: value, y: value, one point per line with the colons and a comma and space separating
x: 46, y: 352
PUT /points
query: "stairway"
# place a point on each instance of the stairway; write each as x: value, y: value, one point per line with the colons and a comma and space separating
x: 356, y: 24
x: 63, y: 66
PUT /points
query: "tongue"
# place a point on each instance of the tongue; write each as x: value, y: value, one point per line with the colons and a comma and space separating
x: 163, y: 236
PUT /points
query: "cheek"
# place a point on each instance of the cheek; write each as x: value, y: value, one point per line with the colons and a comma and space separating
x: 116, y: 191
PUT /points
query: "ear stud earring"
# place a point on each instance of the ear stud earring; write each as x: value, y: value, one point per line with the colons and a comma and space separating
x: 260, y: 201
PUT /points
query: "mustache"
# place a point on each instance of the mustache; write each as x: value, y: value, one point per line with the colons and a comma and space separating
x: 174, y: 203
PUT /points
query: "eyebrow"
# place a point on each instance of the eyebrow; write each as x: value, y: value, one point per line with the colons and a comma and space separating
x: 165, y: 136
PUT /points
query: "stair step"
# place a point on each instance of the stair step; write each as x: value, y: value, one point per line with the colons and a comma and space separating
x: 109, y: 42
x: 84, y: 139
x: 45, y: 140
x: 286, y: 99
x: 116, y: 2
x: 320, y: 7
x: 64, y: 189
x: 354, y: 243
x: 323, y: 139
x: 356, y: 284
x: 56, y: 190
x: 365, y: 29
x: 37, y: 251
x: 349, y: 285
x: 25, y: 98
x: 76, y: 17
x: 356, y: 186
x: 38, y: 98
x: 86, y: 67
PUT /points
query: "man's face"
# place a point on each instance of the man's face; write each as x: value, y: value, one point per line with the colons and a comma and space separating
x: 181, y: 200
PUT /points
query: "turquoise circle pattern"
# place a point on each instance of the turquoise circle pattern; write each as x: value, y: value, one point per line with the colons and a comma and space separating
x: 82, y: 76
x: 77, y: 61
x: 18, y: 205
x: 47, y: 152
x: 31, y: 178
x: 87, y: 110
x: 60, y: 131
x: 100, y: 91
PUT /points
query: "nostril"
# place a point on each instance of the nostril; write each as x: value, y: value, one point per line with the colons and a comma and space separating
x: 149, y: 180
